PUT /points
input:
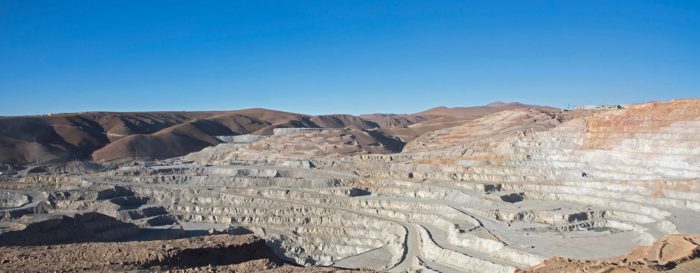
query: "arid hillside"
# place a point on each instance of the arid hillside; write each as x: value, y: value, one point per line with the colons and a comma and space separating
x: 109, y: 136
x: 410, y: 126
x: 504, y: 123
x: 155, y: 135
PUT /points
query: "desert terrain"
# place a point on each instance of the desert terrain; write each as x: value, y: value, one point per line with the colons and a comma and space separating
x: 505, y: 187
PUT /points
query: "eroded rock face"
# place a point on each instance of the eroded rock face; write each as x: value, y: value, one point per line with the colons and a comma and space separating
x: 500, y: 193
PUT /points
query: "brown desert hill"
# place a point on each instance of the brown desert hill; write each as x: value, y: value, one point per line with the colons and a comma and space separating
x: 63, y: 137
x: 170, y: 142
x: 114, y: 135
x: 71, y: 136
x: 499, y: 124
x: 473, y: 112
x: 179, y: 139
x: 194, y: 135
x: 343, y: 121
x: 410, y: 126
x: 157, y: 135
x: 395, y: 120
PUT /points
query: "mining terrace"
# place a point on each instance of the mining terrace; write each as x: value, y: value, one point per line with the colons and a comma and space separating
x: 520, y: 189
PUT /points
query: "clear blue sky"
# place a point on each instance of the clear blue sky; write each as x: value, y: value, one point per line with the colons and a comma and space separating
x: 342, y: 56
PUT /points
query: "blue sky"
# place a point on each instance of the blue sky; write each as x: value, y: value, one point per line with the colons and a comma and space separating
x: 353, y: 57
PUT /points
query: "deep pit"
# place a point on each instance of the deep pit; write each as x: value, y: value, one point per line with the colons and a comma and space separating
x: 500, y: 193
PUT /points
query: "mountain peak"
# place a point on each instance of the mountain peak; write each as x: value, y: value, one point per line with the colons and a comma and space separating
x: 497, y: 104
x: 502, y: 104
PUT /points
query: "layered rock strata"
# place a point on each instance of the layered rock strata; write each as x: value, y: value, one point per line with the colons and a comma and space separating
x: 500, y: 193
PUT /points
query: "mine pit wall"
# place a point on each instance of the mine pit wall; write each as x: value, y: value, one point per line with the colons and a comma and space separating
x: 304, y: 234
x: 257, y: 219
x: 47, y: 183
x: 492, y: 247
x: 234, y: 177
x: 631, y: 215
x: 645, y: 164
x: 405, y: 211
x: 455, y: 259
x: 612, y: 145
x: 532, y: 193
x: 642, y: 200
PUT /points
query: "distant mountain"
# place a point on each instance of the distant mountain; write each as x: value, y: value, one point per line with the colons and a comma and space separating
x: 409, y: 126
x: 112, y: 136
x: 106, y: 136
x: 496, y: 104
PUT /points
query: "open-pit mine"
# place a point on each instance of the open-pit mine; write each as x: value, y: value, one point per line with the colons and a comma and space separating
x: 514, y: 189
